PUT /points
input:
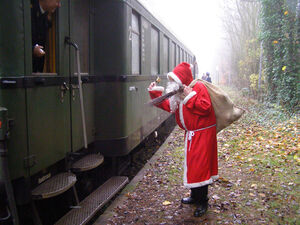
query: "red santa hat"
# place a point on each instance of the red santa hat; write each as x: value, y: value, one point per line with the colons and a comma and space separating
x: 182, y: 74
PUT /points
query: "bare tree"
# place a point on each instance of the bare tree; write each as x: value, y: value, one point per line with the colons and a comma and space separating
x: 241, y: 26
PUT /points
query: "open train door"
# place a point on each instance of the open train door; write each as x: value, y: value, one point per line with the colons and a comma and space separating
x: 48, y: 102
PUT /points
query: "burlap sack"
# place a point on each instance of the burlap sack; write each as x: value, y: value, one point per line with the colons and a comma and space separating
x: 226, y: 112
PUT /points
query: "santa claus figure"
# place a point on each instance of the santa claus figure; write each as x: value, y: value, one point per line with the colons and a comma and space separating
x: 194, y: 113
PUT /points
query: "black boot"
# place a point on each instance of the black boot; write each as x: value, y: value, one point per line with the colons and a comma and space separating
x: 189, y: 200
x: 200, y: 194
x: 201, y: 209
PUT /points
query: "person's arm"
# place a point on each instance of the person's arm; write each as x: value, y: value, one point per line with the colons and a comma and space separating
x: 37, y: 50
x: 198, y: 100
x: 155, y: 92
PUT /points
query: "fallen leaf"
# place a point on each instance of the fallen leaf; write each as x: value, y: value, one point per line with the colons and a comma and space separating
x: 166, y: 203
x: 254, y: 186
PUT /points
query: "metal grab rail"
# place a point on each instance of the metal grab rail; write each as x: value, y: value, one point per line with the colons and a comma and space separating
x: 68, y: 41
x: 7, y: 217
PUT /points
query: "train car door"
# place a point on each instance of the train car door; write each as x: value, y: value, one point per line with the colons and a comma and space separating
x: 80, y: 33
x: 48, y: 100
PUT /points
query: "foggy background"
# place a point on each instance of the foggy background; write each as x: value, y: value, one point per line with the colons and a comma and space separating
x: 196, y: 23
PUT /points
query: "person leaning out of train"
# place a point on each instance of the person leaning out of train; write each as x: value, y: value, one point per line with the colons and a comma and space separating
x: 41, y: 11
x: 195, y: 114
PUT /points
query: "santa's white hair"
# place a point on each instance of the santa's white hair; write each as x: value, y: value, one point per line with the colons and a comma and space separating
x: 175, y: 99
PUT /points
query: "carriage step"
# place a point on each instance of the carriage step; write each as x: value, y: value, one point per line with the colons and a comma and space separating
x: 95, y: 201
x: 54, y: 186
x: 88, y: 162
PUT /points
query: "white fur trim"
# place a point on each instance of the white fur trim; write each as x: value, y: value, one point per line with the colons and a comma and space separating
x: 199, y: 184
x: 157, y: 88
x: 181, y: 115
x: 174, y: 77
x: 191, y: 66
x: 189, y: 96
x: 185, y: 158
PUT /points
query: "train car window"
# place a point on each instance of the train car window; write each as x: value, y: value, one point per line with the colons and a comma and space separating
x: 154, y: 51
x: 136, y: 43
x: 181, y: 55
x: 172, y: 56
x: 166, y: 55
x: 80, y: 30
x: 177, y: 55
x: 43, y: 36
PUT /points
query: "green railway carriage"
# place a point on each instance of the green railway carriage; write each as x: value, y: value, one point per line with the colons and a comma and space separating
x: 88, y: 107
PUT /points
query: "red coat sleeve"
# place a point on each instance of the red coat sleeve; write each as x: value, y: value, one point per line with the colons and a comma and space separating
x: 157, y: 92
x: 198, y: 101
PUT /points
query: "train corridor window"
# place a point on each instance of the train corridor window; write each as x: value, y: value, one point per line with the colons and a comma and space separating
x: 80, y: 32
x: 154, y: 51
x: 172, y: 56
x: 43, y: 35
x: 135, y: 50
x: 166, y: 55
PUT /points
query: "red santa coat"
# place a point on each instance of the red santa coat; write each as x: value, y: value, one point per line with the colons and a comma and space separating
x: 196, y: 116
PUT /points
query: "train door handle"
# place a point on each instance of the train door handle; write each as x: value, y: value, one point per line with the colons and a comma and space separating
x: 73, y: 87
x: 133, y: 88
x: 130, y: 33
x: 63, y: 89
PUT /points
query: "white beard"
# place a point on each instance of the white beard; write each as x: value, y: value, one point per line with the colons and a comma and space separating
x: 175, y: 99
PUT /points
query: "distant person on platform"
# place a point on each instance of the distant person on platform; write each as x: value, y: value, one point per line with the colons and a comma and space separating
x: 41, y: 11
x: 208, y: 79
x: 194, y: 113
x: 203, y: 76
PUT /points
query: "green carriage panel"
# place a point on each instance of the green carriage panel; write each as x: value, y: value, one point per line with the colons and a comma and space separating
x: 48, y: 126
x: 14, y: 101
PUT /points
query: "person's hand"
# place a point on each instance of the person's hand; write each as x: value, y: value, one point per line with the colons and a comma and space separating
x: 187, y: 90
x: 38, y: 51
x: 152, y: 85
x: 49, y: 16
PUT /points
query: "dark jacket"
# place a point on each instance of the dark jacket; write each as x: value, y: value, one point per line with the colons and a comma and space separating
x: 39, y: 30
x: 208, y: 79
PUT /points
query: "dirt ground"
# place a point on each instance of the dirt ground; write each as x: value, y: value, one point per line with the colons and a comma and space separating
x: 258, y: 184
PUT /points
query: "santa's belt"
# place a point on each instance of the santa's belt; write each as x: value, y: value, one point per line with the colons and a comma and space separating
x: 191, y: 133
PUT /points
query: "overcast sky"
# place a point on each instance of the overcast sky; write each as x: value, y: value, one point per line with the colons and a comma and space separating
x: 194, y: 22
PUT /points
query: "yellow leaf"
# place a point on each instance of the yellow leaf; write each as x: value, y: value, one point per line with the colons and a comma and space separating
x: 260, y: 138
x: 296, y: 158
x: 262, y: 195
x: 275, y: 42
x: 166, y: 203
x: 286, y: 12
x: 283, y: 68
x: 252, y: 170
x: 254, y: 186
